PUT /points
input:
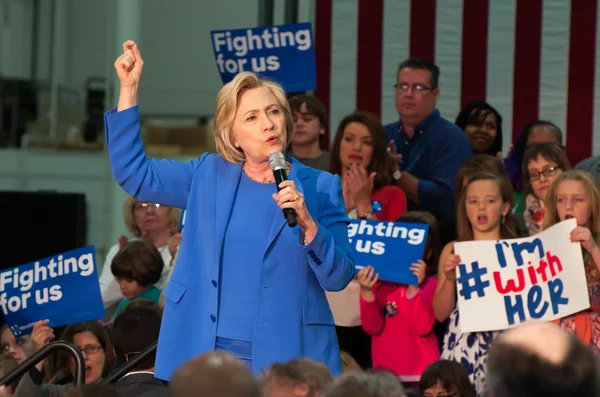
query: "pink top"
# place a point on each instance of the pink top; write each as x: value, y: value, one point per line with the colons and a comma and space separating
x: 403, y: 343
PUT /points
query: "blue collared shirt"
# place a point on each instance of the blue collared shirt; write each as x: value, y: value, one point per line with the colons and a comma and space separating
x: 433, y: 155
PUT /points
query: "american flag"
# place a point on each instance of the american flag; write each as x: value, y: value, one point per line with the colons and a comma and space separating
x: 529, y: 59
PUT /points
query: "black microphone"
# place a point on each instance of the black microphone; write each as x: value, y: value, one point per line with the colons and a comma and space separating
x: 278, y: 166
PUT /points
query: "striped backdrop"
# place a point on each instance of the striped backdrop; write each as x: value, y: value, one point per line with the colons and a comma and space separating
x: 528, y: 58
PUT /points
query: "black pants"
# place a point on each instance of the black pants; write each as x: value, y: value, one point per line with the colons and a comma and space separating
x: 356, y: 342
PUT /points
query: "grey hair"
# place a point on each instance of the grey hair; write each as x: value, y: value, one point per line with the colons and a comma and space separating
x: 365, y: 384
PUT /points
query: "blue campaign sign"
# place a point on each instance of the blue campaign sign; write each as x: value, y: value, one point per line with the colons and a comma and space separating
x: 283, y: 53
x: 62, y: 289
x: 390, y: 247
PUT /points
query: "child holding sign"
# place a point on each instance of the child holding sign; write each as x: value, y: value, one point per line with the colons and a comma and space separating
x: 136, y: 268
x: 400, y: 317
x: 576, y: 194
x: 483, y: 213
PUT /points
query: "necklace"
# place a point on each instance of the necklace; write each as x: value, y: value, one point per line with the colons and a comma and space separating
x: 288, y: 166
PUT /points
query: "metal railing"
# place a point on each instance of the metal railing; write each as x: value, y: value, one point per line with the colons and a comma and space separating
x: 131, y: 363
x: 35, y: 358
x: 79, y: 376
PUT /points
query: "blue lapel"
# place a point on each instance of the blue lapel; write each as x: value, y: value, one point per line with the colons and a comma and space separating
x: 228, y: 180
x: 278, y: 222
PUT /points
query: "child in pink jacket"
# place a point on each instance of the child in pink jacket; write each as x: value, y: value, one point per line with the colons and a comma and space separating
x: 400, y: 317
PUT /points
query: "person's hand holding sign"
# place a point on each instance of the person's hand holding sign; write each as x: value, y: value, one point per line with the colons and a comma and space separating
x: 584, y: 236
x: 41, y: 335
x: 452, y: 261
x: 367, y: 278
x: 419, y: 269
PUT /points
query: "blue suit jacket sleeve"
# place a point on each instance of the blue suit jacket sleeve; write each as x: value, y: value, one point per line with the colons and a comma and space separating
x: 159, y: 181
x: 329, y: 252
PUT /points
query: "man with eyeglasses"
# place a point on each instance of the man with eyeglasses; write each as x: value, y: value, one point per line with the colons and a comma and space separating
x: 427, y: 149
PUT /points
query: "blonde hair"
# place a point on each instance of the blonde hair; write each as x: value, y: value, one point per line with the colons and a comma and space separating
x: 227, y: 104
x: 173, y: 215
x: 349, y: 364
x: 507, y: 226
x: 593, y: 190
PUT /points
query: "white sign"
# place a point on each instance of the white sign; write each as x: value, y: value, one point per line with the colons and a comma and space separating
x: 502, y: 284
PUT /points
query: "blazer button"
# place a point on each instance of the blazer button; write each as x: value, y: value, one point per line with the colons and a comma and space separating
x: 214, y: 283
x: 213, y: 318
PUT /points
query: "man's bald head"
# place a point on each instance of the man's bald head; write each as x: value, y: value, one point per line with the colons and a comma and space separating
x: 214, y: 374
x: 537, y: 337
x: 541, y: 359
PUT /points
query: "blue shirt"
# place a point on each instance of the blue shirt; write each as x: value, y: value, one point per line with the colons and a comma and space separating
x: 243, y: 250
x: 433, y: 155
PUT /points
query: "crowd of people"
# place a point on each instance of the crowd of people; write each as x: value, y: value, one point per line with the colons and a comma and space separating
x: 279, y: 311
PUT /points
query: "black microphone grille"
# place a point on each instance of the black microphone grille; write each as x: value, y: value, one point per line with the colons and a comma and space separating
x: 276, y: 161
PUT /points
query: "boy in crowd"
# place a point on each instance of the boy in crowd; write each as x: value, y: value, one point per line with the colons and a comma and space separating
x: 137, y: 267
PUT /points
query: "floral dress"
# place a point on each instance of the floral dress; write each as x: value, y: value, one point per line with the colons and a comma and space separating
x: 534, y: 214
x: 593, y: 281
x: 470, y: 350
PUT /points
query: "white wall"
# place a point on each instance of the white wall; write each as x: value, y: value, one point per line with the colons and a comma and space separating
x: 16, y: 38
x: 180, y: 75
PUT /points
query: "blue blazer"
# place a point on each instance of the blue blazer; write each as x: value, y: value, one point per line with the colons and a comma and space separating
x: 293, y: 318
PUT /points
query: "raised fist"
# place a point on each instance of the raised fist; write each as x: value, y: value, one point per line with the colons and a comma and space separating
x: 129, y: 65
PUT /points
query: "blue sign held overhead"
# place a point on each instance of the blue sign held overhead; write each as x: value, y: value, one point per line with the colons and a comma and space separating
x: 390, y: 247
x: 62, y: 289
x: 283, y: 53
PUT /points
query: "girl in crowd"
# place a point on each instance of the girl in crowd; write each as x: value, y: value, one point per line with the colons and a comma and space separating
x: 475, y: 164
x: 537, y: 131
x: 18, y: 348
x: 93, y: 341
x: 400, y: 317
x: 147, y: 221
x: 576, y: 194
x: 483, y: 126
x: 484, y: 213
x: 542, y: 163
x: 359, y: 156
x: 446, y: 378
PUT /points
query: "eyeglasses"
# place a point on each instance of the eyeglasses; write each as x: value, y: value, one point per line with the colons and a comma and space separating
x: 548, y: 172
x: 146, y: 206
x: 91, y: 349
x: 404, y: 87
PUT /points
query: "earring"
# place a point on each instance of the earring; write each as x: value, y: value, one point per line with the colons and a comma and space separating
x: 237, y: 145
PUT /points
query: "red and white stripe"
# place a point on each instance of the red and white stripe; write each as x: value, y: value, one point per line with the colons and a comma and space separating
x: 528, y: 58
